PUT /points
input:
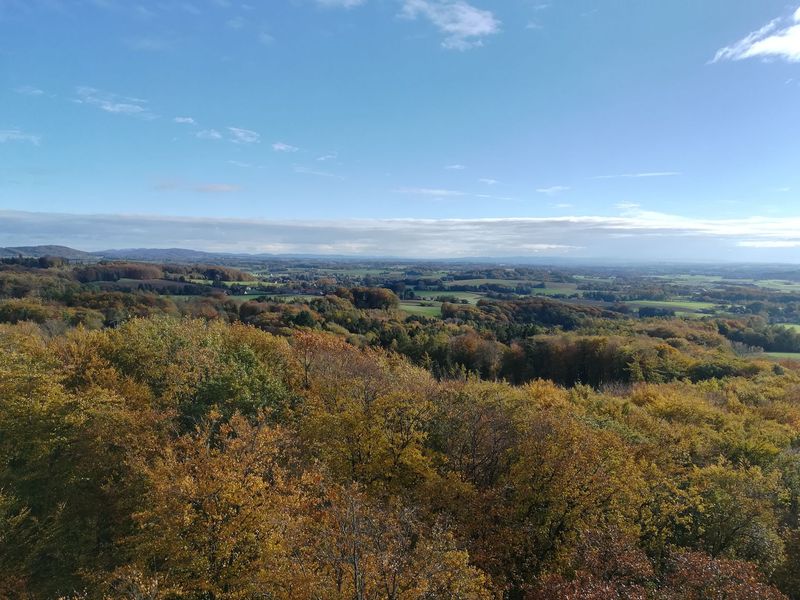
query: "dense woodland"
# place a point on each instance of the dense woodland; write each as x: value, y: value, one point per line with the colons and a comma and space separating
x: 178, y: 442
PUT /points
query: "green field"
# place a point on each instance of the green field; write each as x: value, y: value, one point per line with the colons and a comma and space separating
x: 694, y: 279
x: 361, y: 272
x: 230, y: 283
x: 471, y: 297
x: 783, y: 355
x: 557, y: 289
x: 552, y: 289
x: 684, y: 305
x: 794, y: 326
x: 415, y: 308
x: 477, y: 282
x: 779, y: 285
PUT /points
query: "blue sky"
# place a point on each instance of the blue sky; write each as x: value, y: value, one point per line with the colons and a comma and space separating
x: 670, y: 127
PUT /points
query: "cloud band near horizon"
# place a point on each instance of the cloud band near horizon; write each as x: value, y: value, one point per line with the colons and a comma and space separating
x: 636, y: 236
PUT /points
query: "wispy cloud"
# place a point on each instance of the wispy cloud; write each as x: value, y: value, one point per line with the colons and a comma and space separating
x: 462, y: 25
x: 640, y: 175
x: 185, y: 120
x: 244, y: 136
x: 203, y: 188
x: 308, y: 171
x: 327, y: 157
x: 216, y: 188
x: 437, y: 192
x: 17, y: 135
x: 780, y: 38
x: 769, y: 244
x: 209, y: 134
x: 113, y: 103
x: 553, y: 190
x: 28, y: 90
x: 341, y: 3
x: 281, y: 147
x: 488, y: 181
x: 455, y: 167
x: 492, y: 197
x: 668, y: 237
x: 447, y: 193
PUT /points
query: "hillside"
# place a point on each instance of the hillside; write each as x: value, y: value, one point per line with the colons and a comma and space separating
x: 158, y: 254
x: 39, y: 251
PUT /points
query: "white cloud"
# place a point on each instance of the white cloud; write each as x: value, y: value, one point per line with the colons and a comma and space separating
x: 488, y: 181
x: 17, y: 135
x: 769, y: 244
x: 780, y: 38
x: 306, y: 171
x: 28, y: 90
x: 112, y: 103
x: 490, y: 197
x: 281, y: 147
x: 641, y: 236
x: 185, y: 120
x: 640, y: 175
x: 455, y: 167
x: 327, y: 157
x: 209, y: 134
x: 627, y: 205
x: 546, y: 247
x: 341, y: 3
x: 462, y: 25
x: 244, y: 136
x: 446, y: 193
x: 553, y: 189
x: 440, y: 193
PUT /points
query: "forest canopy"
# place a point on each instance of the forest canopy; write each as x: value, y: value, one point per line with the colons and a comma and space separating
x: 334, y: 447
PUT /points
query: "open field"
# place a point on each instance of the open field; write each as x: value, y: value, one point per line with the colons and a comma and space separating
x: 783, y: 355
x: 557, y: 289
x: 779, y: 285
x: 479, y: 282
x: 251, y: 282
x: 355, y: 272
x: 415, y: 308
x: 682, y: 305
x: 471, y: 297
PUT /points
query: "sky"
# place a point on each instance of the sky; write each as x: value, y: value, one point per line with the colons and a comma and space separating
x: 411, y: 128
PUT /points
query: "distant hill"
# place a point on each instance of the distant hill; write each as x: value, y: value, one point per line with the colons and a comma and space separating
x: 160, y: 254
x: 39, y: 251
